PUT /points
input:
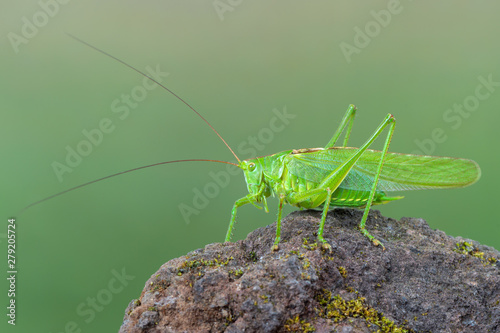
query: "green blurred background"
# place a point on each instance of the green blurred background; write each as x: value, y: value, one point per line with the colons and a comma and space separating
x: 235, y: 66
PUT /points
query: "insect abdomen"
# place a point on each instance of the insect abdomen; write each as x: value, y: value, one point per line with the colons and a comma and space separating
x: 355, y: 198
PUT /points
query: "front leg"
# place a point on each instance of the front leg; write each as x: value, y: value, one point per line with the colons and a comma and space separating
x: 238, y: 203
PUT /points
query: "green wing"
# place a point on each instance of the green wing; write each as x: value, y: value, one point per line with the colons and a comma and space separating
x: 400, y: 172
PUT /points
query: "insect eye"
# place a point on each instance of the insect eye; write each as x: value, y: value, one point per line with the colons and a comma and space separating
x: 251, y: 166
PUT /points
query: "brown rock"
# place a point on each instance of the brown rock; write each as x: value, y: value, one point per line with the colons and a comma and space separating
x: 425, y: 281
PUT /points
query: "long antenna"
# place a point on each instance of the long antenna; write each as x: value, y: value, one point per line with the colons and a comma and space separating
x: 117, y: 174
x: 146, y: 166
x: 158, y: 83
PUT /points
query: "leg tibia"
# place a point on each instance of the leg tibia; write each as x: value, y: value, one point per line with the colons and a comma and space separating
x: 346, y: 121
x: 278, y: 225
x: 326, y: 205
x: 238, y: 203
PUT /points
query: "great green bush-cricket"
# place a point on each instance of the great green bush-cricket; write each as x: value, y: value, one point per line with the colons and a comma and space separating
x: 331, y: 176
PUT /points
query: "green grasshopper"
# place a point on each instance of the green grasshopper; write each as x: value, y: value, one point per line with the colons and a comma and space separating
x: 347, y: 177
x: 317, y: 178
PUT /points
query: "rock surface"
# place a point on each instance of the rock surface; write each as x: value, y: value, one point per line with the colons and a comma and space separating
x: 425, y: 281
